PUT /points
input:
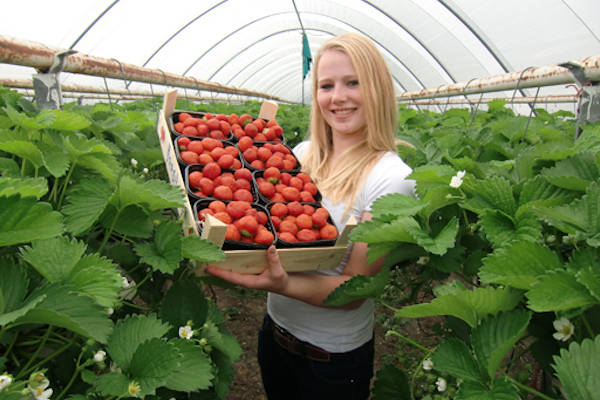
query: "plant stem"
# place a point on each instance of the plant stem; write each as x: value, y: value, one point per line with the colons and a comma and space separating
x: 78, y: 368
x: 64, y: 188
x: 51, y: 356
x: 408, y: 340
x: 383, y: 303
x: 109, y: 232
x: 528, y: 389
x: 587, y: 325
x: 37, y: 352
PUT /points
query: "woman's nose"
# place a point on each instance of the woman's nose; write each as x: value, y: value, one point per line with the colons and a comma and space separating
x: 339, y: 93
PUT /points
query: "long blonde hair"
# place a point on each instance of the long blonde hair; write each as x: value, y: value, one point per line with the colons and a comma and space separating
x: 344, y: 180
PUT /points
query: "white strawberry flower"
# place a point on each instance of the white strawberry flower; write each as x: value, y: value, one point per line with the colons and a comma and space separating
x: 186, y: 332
x: 99, y: 356
x: 133, y: 389
x: 457, y: 179
x: 564, y: 329
x: 5, y: 380
x: 427, y: 364
x: 134, y: 162
x: 441, y: 384
x: 40, y: 394
x: 145, y: 170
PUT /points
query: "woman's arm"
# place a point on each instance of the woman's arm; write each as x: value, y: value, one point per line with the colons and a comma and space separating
x: 308, y: 287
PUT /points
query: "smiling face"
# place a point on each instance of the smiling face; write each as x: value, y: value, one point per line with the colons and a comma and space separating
x: 339, y: 95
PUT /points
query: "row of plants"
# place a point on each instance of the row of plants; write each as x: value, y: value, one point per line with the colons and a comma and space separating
x: 498, y: 250
x: 98, y: 299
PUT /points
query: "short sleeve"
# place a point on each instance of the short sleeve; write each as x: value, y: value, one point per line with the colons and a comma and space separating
x: 388, y: 176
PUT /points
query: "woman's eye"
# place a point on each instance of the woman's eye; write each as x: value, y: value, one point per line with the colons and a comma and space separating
x: 353, y: 83
x: 326, y: 86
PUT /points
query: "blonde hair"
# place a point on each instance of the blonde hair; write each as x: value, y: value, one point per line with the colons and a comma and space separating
x: 344, y: 180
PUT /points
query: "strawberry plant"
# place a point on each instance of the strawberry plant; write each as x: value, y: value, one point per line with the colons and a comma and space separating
x: 504, y: 235
x: 96, y: 296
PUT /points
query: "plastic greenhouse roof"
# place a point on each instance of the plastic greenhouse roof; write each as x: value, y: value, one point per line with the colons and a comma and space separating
x: 257, y: 45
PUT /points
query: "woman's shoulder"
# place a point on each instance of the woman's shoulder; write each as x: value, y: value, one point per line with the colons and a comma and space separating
x: 301, y: 148
x: 390, y: 164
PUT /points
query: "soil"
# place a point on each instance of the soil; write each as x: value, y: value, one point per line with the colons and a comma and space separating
x: 244, y: 310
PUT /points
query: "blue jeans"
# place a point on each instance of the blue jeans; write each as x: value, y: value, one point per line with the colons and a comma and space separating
x: 288, y: 376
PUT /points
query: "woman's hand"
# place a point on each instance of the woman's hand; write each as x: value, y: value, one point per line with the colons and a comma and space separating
x: 273, y: 279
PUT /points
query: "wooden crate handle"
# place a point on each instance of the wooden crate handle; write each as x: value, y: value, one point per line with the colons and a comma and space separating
x: 268, y: 110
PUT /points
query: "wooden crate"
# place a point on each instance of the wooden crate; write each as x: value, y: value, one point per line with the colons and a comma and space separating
x: 243, y: 261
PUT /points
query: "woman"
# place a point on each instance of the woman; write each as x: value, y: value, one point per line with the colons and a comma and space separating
x: 308, y: 350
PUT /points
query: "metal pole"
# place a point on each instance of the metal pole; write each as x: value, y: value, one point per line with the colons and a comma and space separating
x: 22, y: 52
x: 532, y: 77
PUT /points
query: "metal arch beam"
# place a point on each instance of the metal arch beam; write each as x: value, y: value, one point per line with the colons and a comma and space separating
x: 416, y: 78
x: 93, y: 23
x: 405, y: 29
x: 181, y: 30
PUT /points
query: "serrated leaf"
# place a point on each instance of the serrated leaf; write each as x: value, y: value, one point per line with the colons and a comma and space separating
x: 98, y: 278
x: 194, y: 371
x: 26, y: 150
x: 55, y: 160
x: 85, y: 203
x: 391, y: 383
x: 104, y: 164
x: 557, y: 291
x: 495, y: 336
x: 40, y: 121
x: 358, y: 287
x: 541, y: 193
x: 492, y: 193
x: 111, y: 384
x: 224, y: 374
x: 64, y: 308
x: 130, y: 333
x: 184, y: 302
x: 132, y: 221
x: 577, y: 369
x: 9, y: 167
x: 28, y: 305
x: 580, y: 216
x: 221, y: 340
x: 54, y: 258
x: 397, y: 205
x: 66, y: 121
x: 152, y: 363
x: 468, y: 305
x: 195, y: 248
x: 574, y: 173
x: 165, y: 252
x: 501, y: 230
x: 439, y: 244
x: 13, y: 286
x: 153, y: 194
x: 454, y: 357
x: 501, y: 389
x: 519, y: 265
x: 25, y: 187
x: 436, y: 198
x: 590, y: 278
x: 378, y: 250
x: 24, y: 219
x: 376, y: 232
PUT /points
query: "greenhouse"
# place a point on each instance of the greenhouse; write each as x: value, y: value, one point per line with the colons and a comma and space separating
x: 181, y: 181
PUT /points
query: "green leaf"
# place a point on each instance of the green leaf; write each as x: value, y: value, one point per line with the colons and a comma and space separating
x: 590, y: 278
x: 577, y: 369
x: 376, y: 232
x: 557, y: 291
x: 194, y: 371
x: 581, y: 216
x: 468, y: 305
x: 574, y: 173
x: 493, y: 193
x: 519, y: 265
x: 441, y: 243
x: 98, y: 278
x: 195, y: 248
x: 130, y: 333
x: 132, y: 221
x: 165, y: 252
x: 152, y: 363
x: 391, y: 383
x: 501, y: 389
x: 56, y: 160
x: 26, y: 150
x: 495, y: 336
x: 454, y: 357
x: 67, y: 121
x: 223, y: 374
x: 221, y: 340
x: 538, y: 192
x: 64, y: 308
x: 54, y: 258
x: 13, y: 286
x: 501, y: 230
x: 104, y: 164
x: 36, y: 187
x: 153, y: 194
x: 111, y: 384
x: 22, y: 309
x: 436, y: 198
x: 9, y: 168
x: 85, y: 203
x: 397, y: 205
x: 24, y: 219
x: 358, y: 287
x: 184, y: 302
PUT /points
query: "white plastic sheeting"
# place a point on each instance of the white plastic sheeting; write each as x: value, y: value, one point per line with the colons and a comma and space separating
x: 257, y: 44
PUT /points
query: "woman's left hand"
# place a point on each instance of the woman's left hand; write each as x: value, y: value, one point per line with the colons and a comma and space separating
x: 274, y: 278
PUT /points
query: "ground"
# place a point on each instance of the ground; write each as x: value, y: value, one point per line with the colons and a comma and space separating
x: 245, y: 310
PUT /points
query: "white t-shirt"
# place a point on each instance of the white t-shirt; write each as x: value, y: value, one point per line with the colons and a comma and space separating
x: 333, y: 329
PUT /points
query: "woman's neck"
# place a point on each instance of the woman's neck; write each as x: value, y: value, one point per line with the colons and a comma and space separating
x: 341, y: 143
